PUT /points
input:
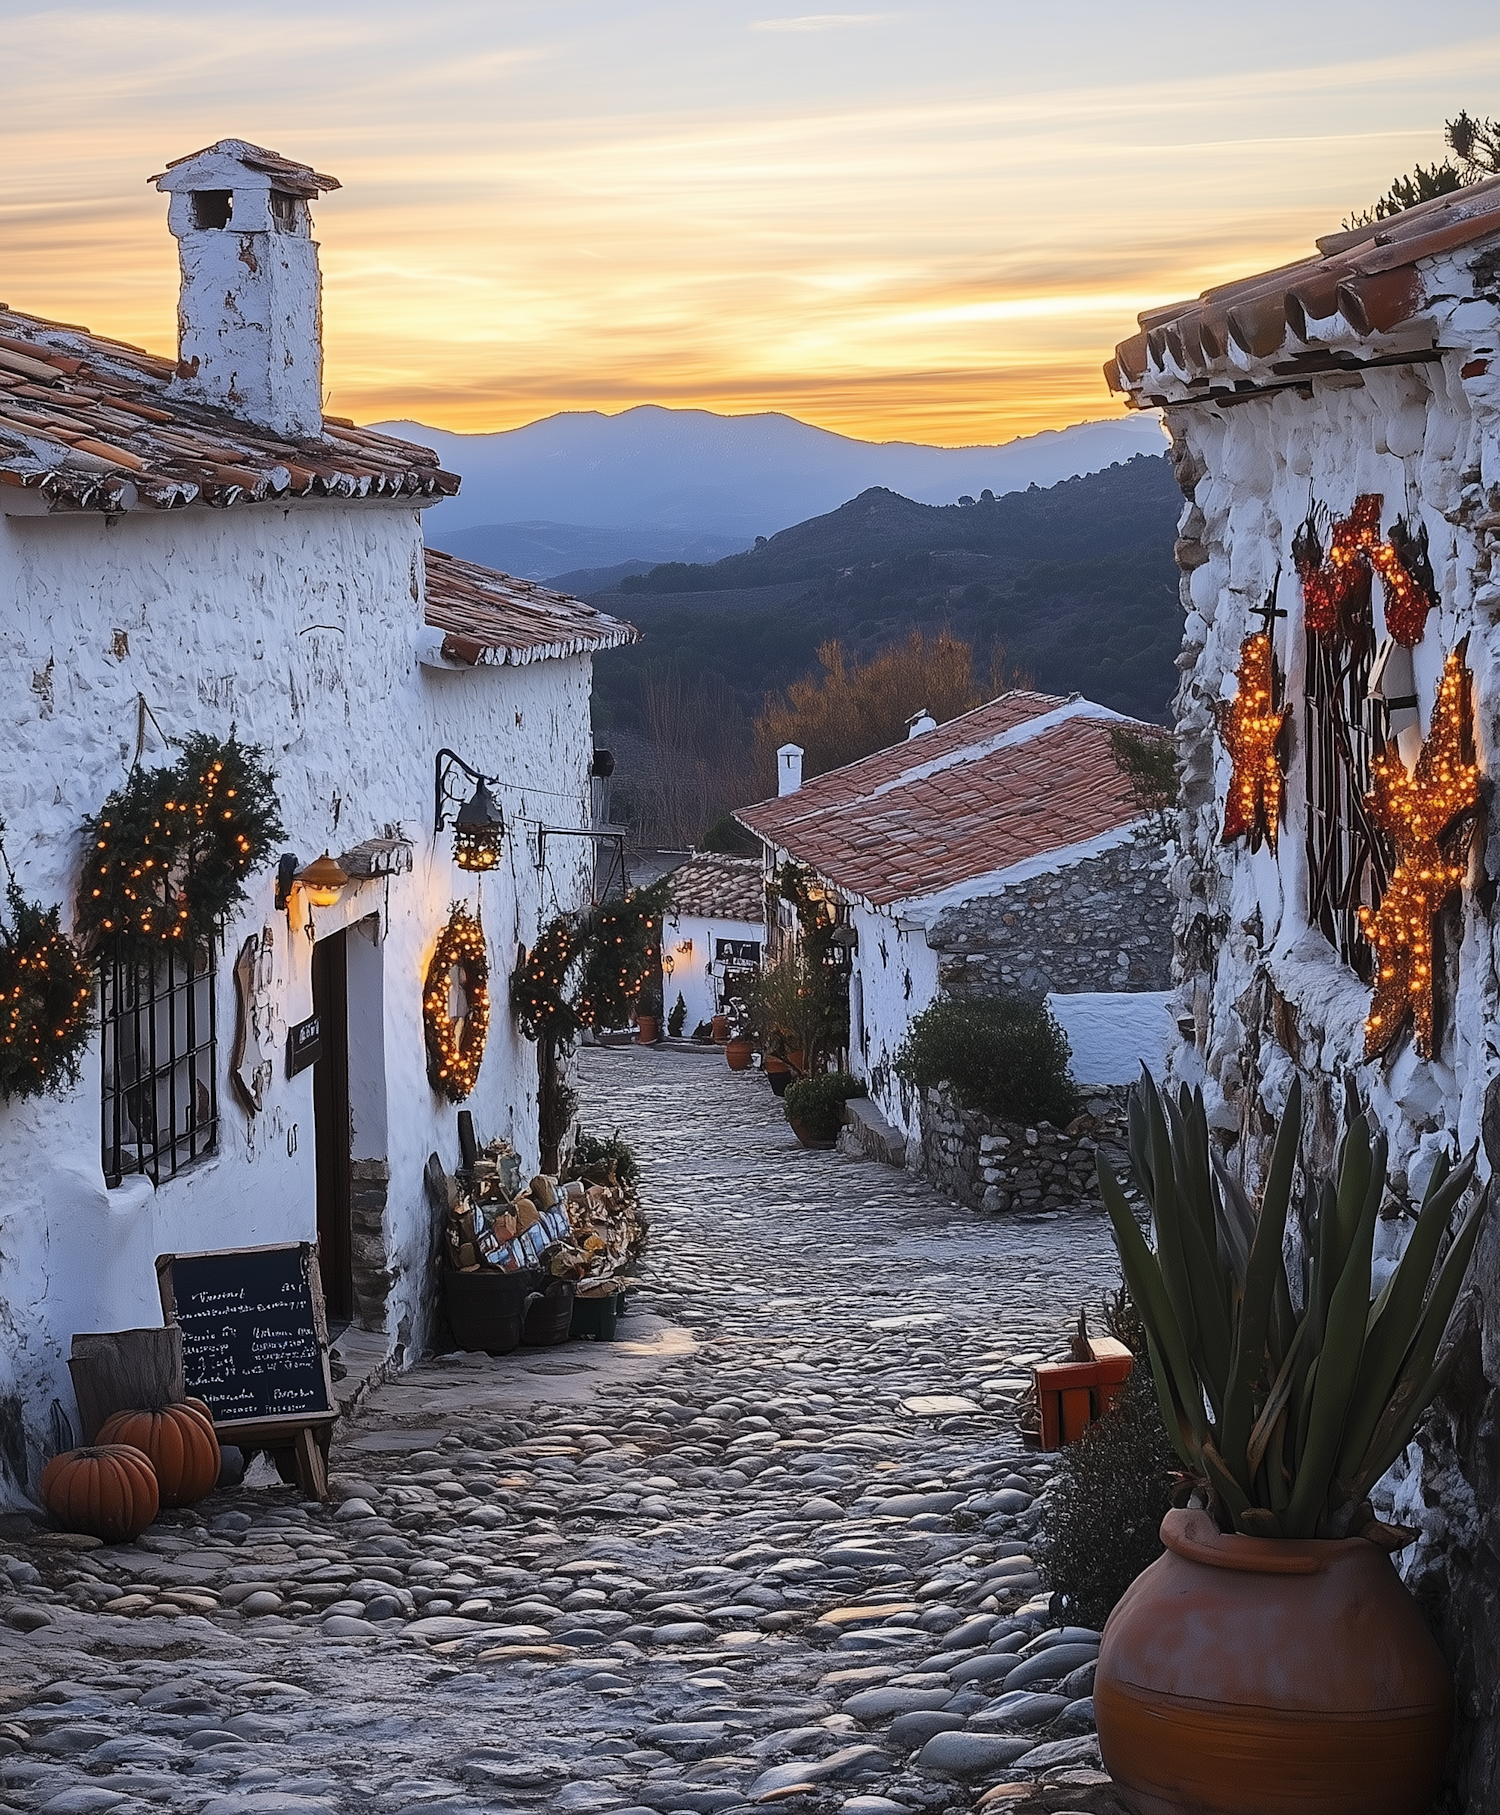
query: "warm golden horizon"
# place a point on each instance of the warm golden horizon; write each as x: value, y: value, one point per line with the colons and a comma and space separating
x: 925, y: 226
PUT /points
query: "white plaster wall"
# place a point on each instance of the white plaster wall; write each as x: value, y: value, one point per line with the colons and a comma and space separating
x: 1425, y: 436
x: 299, y: 626
x: 691, y: 972
x: 895, y: 978
x: 1112, y: 1033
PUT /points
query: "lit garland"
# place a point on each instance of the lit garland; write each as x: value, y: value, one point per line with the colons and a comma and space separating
x: 538, y: 992
x: 1251, y: 726
x: 1336, y: 591
x: 46, y: 1002
x: 455, y: 1049
x: 1415, y: 809
x: 620, y: 953
x: 169, y: 852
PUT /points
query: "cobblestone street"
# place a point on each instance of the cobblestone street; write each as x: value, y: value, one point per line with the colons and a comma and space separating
x: 770, y: 1547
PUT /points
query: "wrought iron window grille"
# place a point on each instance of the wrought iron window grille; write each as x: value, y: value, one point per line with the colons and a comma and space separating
x: 160, y: 1030
x: 1348, y: 857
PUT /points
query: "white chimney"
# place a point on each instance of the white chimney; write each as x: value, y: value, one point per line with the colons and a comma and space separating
x: 250, y: 315
x: 788, y: 769
x: 921, y: 720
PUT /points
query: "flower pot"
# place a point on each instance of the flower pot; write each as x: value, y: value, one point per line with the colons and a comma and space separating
x: 646, y: 1029
x: 778, y: 1073
x: 738, y: 1052
x: 720, y: 1029
x: 1259, y: 1676
x: 797, y: 1061
x: 809, y: 1139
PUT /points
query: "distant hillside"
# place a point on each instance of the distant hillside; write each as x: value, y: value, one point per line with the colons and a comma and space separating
x: 1076, y: 582
x: 544, y: 551
x: 697, y: 473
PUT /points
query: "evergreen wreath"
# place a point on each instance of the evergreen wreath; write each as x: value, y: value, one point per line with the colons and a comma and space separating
x: 169, y: 852
x: 455, y: 1048
x: 46, y: 1001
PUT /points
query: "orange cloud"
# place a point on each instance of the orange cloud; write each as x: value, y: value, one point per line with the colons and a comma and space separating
x: 840, y: 217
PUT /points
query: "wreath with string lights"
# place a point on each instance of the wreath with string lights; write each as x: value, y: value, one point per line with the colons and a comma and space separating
x: 455, y: 1044
x: 46, y: 1000
x: 168, y: 853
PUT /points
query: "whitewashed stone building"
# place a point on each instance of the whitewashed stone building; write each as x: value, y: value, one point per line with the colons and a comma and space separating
x: 714, y: 935
x: 1001, y: 852
x: 189, y: 546
x: 1335, y: 428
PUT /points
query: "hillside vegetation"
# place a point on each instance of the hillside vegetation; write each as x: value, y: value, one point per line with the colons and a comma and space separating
x: 1071, y: 589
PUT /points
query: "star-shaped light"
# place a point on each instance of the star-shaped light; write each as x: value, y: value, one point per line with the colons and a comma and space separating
x: 1415, y: 809
x: 1335, y: 591
x: 1250, y: 725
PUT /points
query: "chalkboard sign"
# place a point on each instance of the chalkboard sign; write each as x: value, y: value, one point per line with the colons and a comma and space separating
x: 254, y: 1337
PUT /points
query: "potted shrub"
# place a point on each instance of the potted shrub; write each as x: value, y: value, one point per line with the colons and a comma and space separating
x: 815, y: 1106
x: 738, y: 1049
x: 1272, y: 1659
x: 790, y: 1007
x: 677, y: 1020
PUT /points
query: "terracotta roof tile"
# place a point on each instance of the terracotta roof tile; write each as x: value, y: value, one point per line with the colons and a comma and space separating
x: 1334, y: 310
x: 88, y: 423
x: 1018, y: 778
x: 716, y: 886
x: 490, y: 617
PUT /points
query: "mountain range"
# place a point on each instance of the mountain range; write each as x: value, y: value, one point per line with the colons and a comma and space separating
x: 584, y: 490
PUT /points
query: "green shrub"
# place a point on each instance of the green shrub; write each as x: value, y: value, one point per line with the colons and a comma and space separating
x: 998, y: 1055
x: 1104, y: 1508
x: 677, y: 1019
x: 818, y: 1103
x: 599, y: 1158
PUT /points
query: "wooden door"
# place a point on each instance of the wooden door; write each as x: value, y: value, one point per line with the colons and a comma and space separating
x: 331, y: 1123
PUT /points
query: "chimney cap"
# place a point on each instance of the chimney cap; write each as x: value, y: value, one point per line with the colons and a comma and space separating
x: 224, y: 164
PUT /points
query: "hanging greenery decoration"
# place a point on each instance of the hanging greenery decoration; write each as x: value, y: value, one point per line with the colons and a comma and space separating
x: 169, y: 851
x: 621, y: 953
x: 455, y: 1043
x: 1422, y: 811
x: 46, y: 1001
x: 538, y: 986
x: 1336, y: 589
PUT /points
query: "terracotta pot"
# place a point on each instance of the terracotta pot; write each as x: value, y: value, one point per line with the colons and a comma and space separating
x: 1255, y: 1676
x: 646, y: 1029
x: 809, y: 1139
x: 720, y: 1029
x: 796, y: 1061
x: 738, y: 1054
x: 778, y: 1074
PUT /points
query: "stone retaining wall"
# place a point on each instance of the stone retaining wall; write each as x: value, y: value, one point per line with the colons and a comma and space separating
x: 999, y: 1165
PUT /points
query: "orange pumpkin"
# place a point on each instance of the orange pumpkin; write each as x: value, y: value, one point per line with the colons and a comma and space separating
x: 181, y: 1443
x: 108, y: 1491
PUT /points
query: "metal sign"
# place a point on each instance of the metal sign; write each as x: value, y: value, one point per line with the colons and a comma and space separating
x: 304, y: 1045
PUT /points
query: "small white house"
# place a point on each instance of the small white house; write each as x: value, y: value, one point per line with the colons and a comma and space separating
x: 1001, y: 852
x: 714, y: 937
x: 188, y: 546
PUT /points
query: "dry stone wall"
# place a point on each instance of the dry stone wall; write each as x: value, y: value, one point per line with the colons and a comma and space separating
x: 1000, y: 1165
x: 1102, y: 924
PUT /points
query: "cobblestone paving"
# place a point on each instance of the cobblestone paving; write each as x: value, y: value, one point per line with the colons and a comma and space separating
x: 790, y: 1566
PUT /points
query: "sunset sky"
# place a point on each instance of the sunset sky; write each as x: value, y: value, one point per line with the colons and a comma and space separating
x: 926, y: 223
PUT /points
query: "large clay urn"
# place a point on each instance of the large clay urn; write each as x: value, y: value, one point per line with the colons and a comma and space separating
x: 1260, y: 1676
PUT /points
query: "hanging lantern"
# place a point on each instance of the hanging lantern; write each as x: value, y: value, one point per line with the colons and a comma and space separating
x: 478, y: 831
x: 323, y: 881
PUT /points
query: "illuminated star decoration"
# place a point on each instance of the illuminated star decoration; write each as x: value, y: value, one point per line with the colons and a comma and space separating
x: 1250, y: 725
x: 1415, y: 809
x: 1336, y: 591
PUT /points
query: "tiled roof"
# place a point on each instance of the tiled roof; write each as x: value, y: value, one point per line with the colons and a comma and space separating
x: 1018, y: 778
x: 88, y: 423
x: 718, y: 887
x: 1358, y: 301
x: 490, y: 617
x: 295, y: 178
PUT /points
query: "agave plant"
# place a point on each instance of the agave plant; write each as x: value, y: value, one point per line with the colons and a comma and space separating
x: 1287, y: 1407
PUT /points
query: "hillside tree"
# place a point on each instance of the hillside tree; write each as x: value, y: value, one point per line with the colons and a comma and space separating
x: 1473, y: 154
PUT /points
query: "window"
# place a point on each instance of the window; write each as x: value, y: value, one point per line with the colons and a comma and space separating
x: 213, y: 207
x: 283, y: 211
x: 161, y: 1096
x: 1348, y: 859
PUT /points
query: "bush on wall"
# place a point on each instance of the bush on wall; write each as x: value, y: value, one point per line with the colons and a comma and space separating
x: 996, y: 1054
